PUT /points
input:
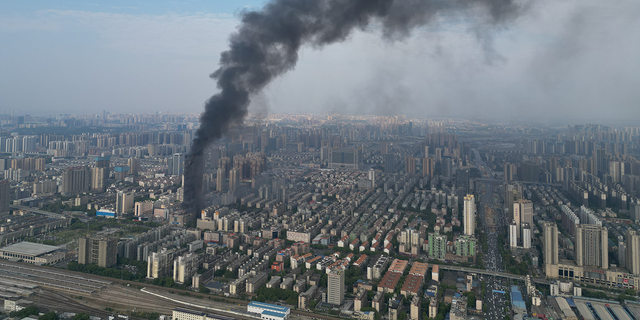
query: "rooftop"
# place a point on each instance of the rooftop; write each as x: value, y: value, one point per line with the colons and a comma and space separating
x: 390, y: 280
x: 419, y: 268
x: 29, y: 248
x: 398, y: 266
x: 272, y: 307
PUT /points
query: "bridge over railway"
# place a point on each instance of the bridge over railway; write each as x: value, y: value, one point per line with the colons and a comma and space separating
x: 493, y: 273
x: 483, y: 272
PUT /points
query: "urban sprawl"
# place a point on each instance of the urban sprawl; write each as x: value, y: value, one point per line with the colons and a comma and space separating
x: 318, y: 216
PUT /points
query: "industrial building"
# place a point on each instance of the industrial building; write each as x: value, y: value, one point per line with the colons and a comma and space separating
x: 269, y: 311
x: 186, y: 314
x: 30, y: 252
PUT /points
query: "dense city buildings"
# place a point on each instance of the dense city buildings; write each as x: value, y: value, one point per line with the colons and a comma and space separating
x: 336, y: 213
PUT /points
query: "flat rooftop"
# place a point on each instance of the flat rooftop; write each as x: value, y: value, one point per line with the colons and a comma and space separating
x: 29, y: 248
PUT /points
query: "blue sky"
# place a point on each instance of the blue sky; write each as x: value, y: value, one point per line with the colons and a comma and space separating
x: 573, y: 58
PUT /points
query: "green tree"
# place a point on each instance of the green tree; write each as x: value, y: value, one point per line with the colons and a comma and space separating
x: 81, y: 316
x: 27, y: 311
x: 48, y: 316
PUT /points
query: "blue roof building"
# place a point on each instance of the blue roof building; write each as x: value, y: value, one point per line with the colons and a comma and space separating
x: 269, y: 311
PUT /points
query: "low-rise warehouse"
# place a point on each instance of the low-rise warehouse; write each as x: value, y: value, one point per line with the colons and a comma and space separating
x: 269, y: 311
x: 30, y: 252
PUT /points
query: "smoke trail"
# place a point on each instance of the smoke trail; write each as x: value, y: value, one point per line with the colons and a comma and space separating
x: 267, y: 43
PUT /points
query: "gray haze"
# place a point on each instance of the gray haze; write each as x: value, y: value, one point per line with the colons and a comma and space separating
x: 570, y: 59
x: 267, y: 43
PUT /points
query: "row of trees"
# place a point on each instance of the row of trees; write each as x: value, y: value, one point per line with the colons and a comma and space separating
x: 51, y: 315
x: 276, y: 294
x: 108, y: 272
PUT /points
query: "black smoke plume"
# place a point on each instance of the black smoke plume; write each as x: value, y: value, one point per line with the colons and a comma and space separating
x: 267, y: 42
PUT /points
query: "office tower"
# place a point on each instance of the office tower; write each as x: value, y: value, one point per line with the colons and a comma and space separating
x: 426, y: 151
x: 389, y: 163
x: 264, y: 141
x: 152, y: 149
x: 512, y: 194
x: 410, y: 165
x: 75, y: 180
x: 428, y: 166
x: 509, y: 171
x: 100, y: 251
x: 462, y: 180
x: 592, y: 246
x: 176, y: 164
x: 124, y: 202
x: 469, y: 215
x: 372, y: 177
x: 29, y: 143
x: 526, y: 235
x: 104, y: 162
x: 522, y: 213
x: 384, y: 148
x: 220, y: 179
x: 529, y: 172
x: 5, y: 195
x: 324, y: 153
x: 550, y: 252
x: 234, y: 179
x: 616, y: 171
x: 134, y: 166
x: 98, y: 180
x: 335, y: 287
x: 632, y: 254
x: 601, y: 161
x: 513, y: 235
x: 438, y: 154
x: 448, y: 168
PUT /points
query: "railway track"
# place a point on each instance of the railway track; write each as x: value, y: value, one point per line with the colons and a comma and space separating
x: 147, y: 302
x: 62, y: 303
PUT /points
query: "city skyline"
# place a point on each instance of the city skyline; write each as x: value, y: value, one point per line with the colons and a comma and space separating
x: 325, y: 159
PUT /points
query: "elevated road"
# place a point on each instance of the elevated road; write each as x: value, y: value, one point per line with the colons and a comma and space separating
x: 42, y: 212
x: 484, y: 272
x: 493, y: 273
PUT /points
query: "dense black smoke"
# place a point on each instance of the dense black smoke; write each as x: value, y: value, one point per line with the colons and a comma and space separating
x: 267, y: 43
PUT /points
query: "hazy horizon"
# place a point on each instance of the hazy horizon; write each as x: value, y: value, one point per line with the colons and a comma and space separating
x: 575, y: 59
